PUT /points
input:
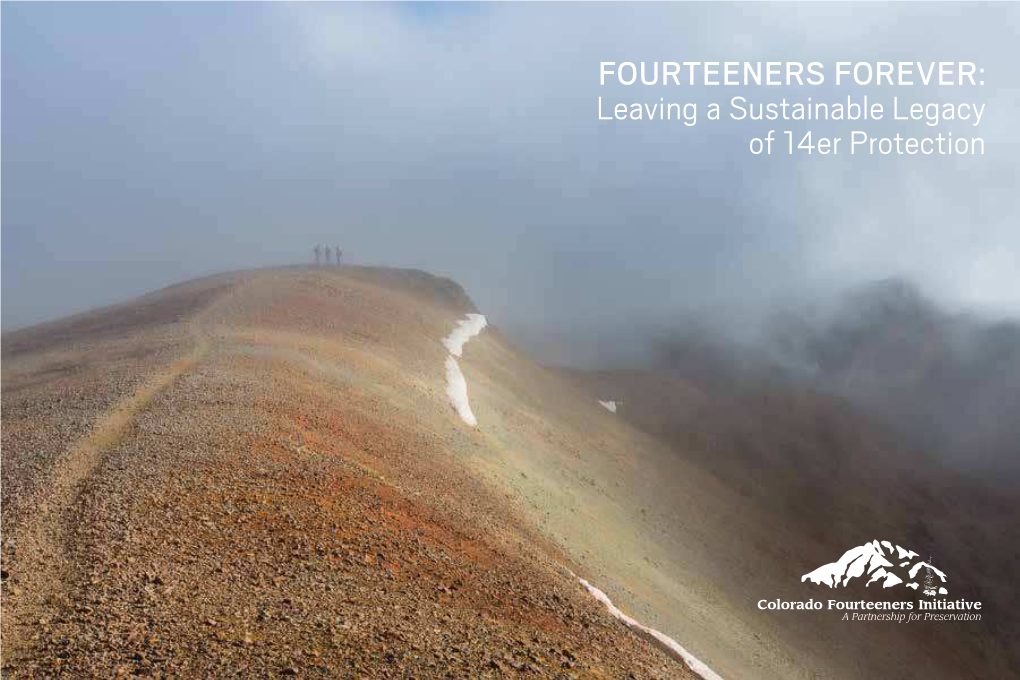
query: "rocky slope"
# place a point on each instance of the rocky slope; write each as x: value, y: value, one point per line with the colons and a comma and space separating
x: 258, y: 474
x: 261, y: 474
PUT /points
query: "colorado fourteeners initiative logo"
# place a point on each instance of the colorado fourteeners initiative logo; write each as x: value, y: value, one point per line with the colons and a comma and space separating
x: 887, y: 566
x: 884, y: 563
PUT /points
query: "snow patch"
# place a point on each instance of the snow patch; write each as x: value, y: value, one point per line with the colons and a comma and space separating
x: 456, y: 386
x: 467, y: 328
x: 456, y: 390
x: 692, y: 662
x: 609, y: 405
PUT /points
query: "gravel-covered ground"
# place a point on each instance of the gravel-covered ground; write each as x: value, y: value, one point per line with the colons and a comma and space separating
x: 258, y: 475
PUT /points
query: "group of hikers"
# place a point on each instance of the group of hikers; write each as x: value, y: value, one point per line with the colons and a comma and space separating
x: 329, y: 252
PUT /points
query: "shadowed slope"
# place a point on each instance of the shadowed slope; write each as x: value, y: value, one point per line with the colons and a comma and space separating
x: 819, y: 478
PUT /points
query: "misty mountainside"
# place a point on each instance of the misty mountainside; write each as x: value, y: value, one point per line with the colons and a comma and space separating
x: 942, y: 383
x: 778, y: 424
x: 949, y: 383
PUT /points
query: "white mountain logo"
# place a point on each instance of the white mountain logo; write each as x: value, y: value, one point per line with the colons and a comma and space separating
x: 884, y: 563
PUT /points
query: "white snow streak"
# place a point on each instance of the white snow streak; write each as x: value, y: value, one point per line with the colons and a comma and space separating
x: 467, y: 328
x: 456, y: 390
x: 456, y: 386
x: 692, y: 662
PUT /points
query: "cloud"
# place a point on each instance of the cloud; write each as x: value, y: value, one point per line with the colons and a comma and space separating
x: 416, y: 135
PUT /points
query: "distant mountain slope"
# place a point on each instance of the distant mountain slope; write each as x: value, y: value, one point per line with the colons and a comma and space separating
x: 949, y: 382
x: 818, y: 474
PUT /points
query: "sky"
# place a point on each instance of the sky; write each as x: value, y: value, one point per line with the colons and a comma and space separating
x: 144, y: 144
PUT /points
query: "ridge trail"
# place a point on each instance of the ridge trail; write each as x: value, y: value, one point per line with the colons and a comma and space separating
x: 42, y: 561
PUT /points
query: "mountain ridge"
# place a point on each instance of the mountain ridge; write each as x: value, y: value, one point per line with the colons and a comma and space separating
x: 305, y: 499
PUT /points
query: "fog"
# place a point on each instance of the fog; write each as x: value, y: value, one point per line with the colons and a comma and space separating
x: 144, y: 144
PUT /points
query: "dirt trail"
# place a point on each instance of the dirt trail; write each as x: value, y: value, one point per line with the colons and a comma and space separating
x: 43, y: 561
